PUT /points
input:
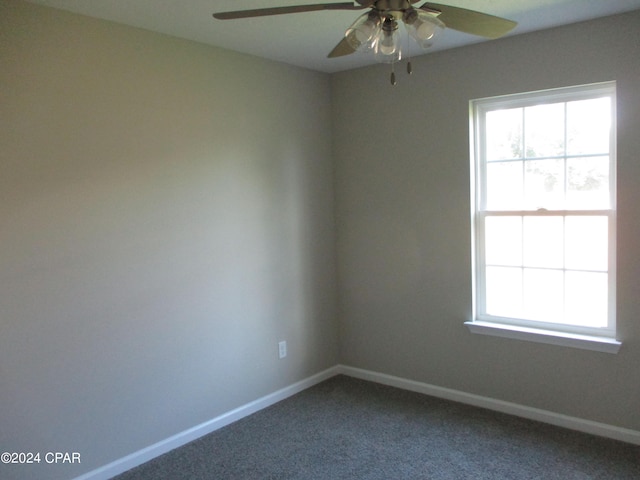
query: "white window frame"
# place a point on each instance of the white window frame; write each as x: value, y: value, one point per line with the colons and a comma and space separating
x: 600, y: 339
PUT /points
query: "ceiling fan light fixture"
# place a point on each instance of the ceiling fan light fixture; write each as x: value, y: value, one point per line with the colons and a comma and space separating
x: 362, y: 35
x: 377, y: 29
x: 387, y: 46
x: 422, y: 26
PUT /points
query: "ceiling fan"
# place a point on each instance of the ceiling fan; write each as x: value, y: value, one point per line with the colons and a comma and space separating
x: 377, y: 29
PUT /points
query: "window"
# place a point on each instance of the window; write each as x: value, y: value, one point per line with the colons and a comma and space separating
x: 544, y: 216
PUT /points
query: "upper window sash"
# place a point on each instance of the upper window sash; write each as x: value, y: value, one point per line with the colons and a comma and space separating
x: 480, y: 109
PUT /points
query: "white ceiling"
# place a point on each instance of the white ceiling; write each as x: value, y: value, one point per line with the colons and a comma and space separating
x: 305, y: 39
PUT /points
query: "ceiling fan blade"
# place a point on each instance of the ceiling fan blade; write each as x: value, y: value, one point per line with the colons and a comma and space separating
x: 261, y: 12
x: 341, y: 49
x: 470, y: 21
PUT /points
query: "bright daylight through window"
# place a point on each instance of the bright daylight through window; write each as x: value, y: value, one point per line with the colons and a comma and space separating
x: 544, y: 213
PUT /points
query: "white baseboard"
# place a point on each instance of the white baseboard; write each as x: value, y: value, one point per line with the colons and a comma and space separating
x: 141, y: 456
x: 573, y: 423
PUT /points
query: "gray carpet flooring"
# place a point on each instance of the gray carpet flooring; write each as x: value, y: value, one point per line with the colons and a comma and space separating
x: 346, y: 428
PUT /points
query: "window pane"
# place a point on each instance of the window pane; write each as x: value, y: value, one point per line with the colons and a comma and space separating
x: 588, y: 183
x: 586, y: 299
x: 544, y: 130
x: 543, y: 242
x: 544, y: 184
x: 504, y: 291
x: 588, y: 126
x: 543, y: 295
x: 586, y: 243
x: 504, y: 185
x: 504, y: 134
x: 503, y: 241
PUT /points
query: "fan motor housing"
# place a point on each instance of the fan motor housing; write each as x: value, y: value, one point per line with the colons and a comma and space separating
x: 393, y: 5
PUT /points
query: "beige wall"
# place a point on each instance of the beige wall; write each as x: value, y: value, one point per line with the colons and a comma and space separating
x: 403, y: 221
x: 166, y: 218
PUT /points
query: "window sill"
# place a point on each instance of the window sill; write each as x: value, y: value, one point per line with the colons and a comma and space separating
x: 586, y: 342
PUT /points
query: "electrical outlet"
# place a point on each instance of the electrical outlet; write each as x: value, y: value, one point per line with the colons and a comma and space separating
x: 282, y: 349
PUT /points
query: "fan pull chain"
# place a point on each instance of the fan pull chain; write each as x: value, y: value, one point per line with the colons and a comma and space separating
x: 393, y: 74
x: 409, y: 67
